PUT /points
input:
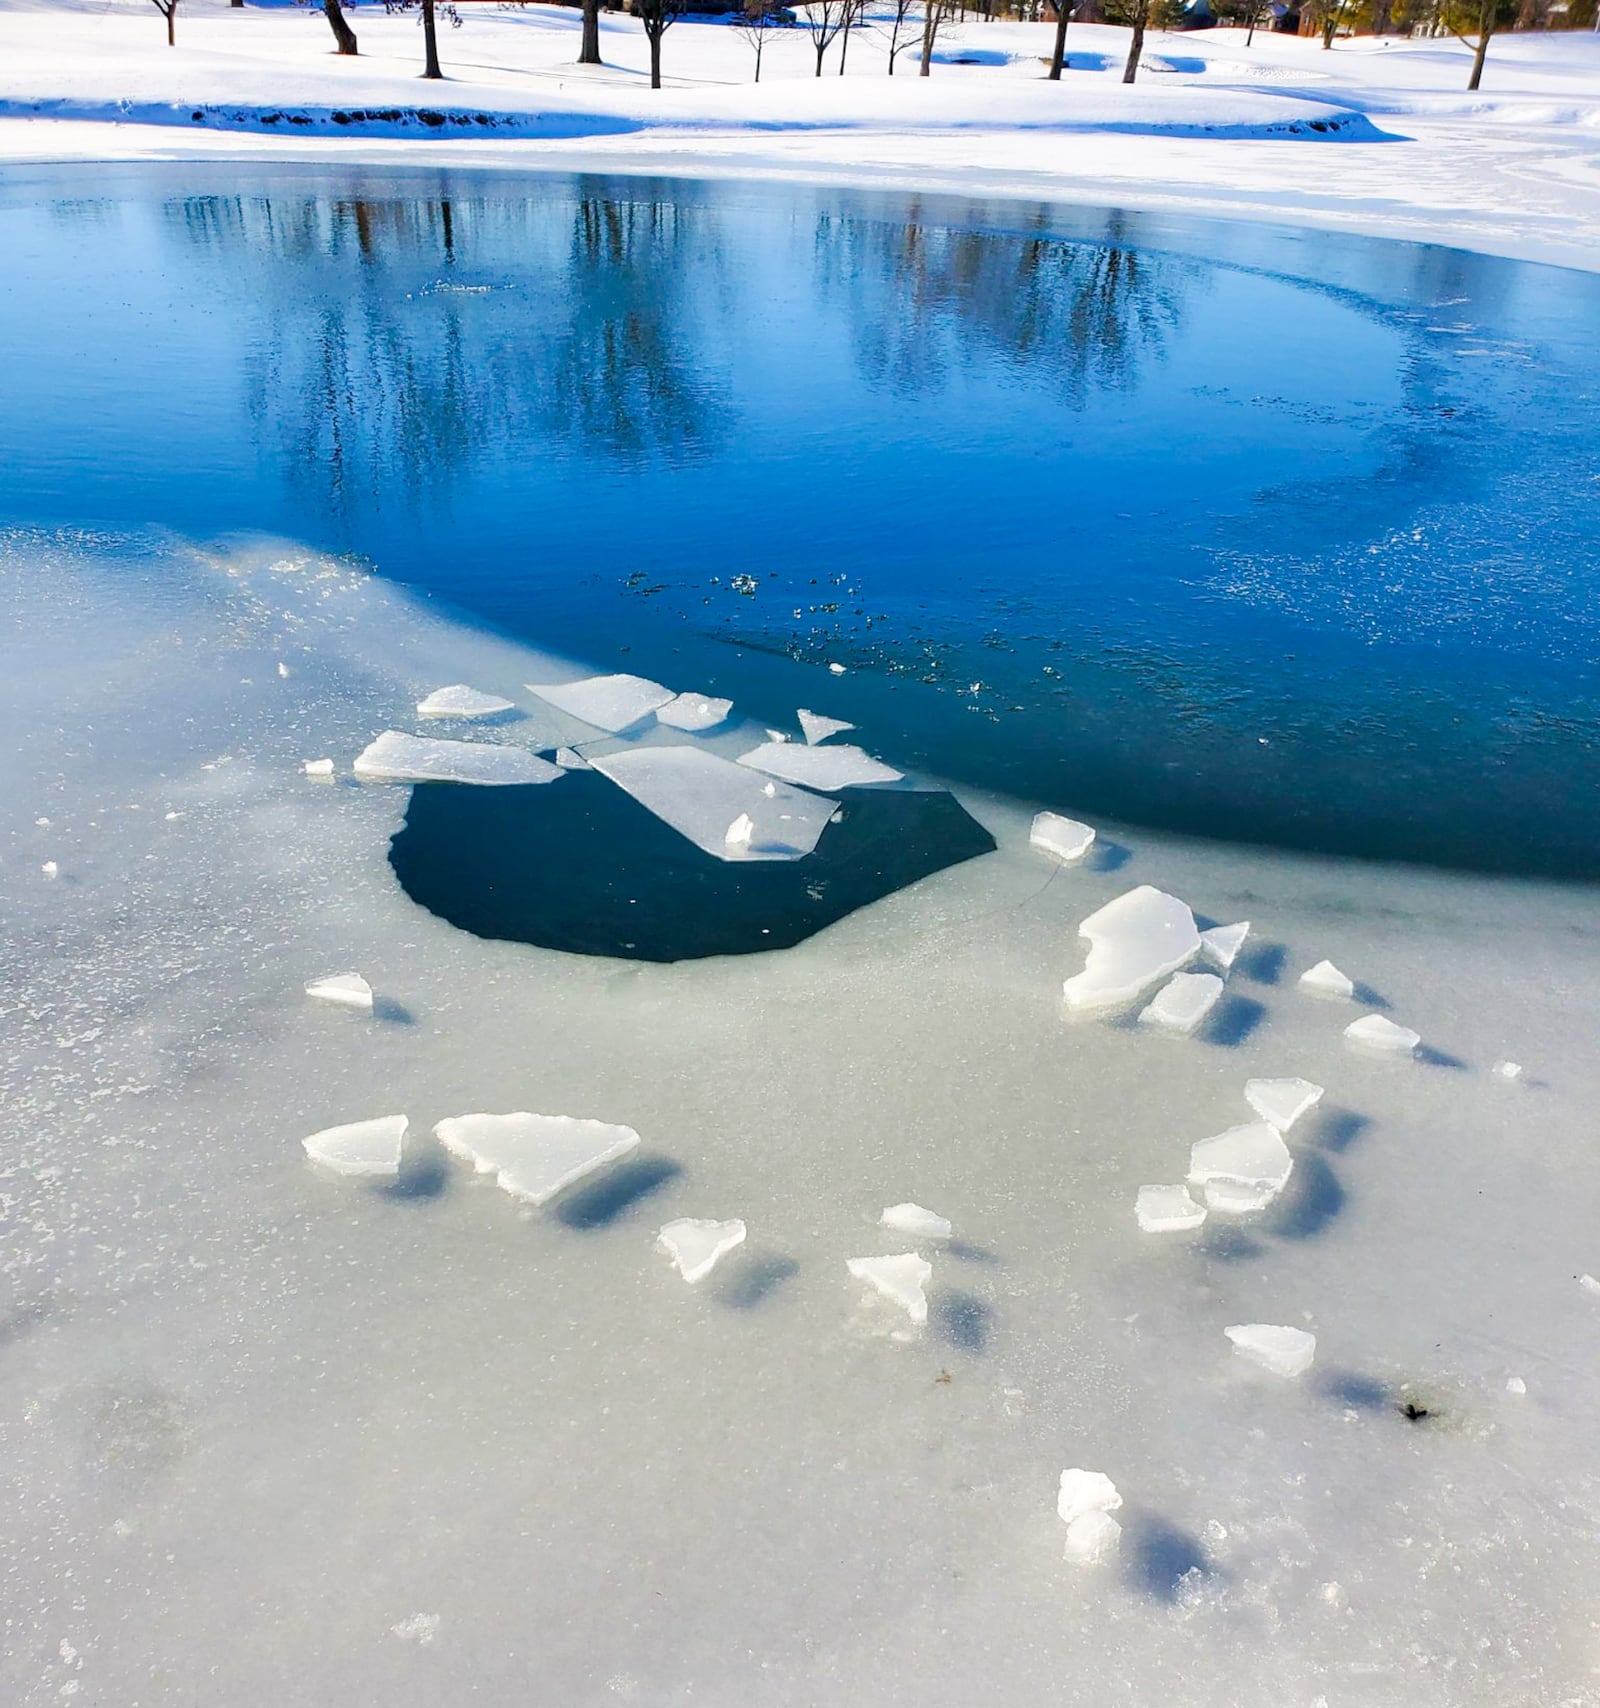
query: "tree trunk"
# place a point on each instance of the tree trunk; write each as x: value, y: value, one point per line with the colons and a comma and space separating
x: 820, y: 51
x: 1329, y: 25
x: 759, y: 45
x: 172, y: 31
x: 342, y: 33
x: 655, y: 60
x: 1059, y: 54
x: 844, y: 42
x: 1485, y: 27
x: 1131, y: 69
x: 589, y: 52
x: 929, y: 27
x: 430, y: 43
x: 1250, y: 34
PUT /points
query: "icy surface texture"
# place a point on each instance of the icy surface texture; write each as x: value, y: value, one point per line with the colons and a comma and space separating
x: 1325, y: 979
x: 611, y: 703
x: 346, y: 990
x: 1183, y: 1002
x: 460, y: 701
x: 1064, y: 837
x: 694, y: 712
x: 360, y: 1147
x: 1140, y: 938
x: 1377, y: 1033
x: 396, y: 757
x: 1281, y: 1101
x: 1167, y: 1210
x: 1252, y: 1157
x: 840, y: 767
x: 1283, y: 1351
x: 914, y: 1220
x: 899, y: 1279
x: 533, y: 1157
x: 696, y: 1245
x: 817, y: 728
x: 1222, y: 943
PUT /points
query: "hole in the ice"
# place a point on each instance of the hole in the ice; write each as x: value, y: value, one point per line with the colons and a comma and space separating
x: 578, y: 865
x: 1263, y: 962
x: 1162, y: 1560
x: 1232, y: 1020
x: 754, y: 1278
x: 1314, y: 1199
x: 1338, y: 1129
x: 1354, y: 1391
x: 962, y: 1319
x: 602, y: 1203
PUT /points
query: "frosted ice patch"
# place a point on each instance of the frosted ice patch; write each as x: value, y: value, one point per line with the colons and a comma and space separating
x: 569, y: 759
x: 1516, y: 1385
x: 399, y: 758
x: 1374, y: 1032
x: 899, y: 1279
x: 1222, y: 943
x: 1507, y: 1070
x: 1093, y: 1537
x: 696, y: 1244
x: 1253, y: 1156
x: 533, y: 1157
x: 817, y: 728
x: 460, y: 701
x: 1283, y: 1351
x: 1082, y: 1492
x: 704, y: 797
x: 1141, y: 937
x: 840, y: 767
x: 1281, y: 1101
x: 419, y: 1628
x: 611, y: 703
x: 914, y: 1220
x: 319, y: 767
x: 1589, y: 1284
x: 1061, y: 836
x: 1167, y: 1210
x: 50, y: 869
x: 1325, y: 979
x: 360, y: 1147
x: 1183, y: 1002
x: 694, y: 712
x: 347, y: 990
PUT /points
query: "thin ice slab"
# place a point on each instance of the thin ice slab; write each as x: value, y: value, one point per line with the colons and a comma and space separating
x: 1374, y: 1032
x: 1183, y: 1002
x: 694, y: 712
x: 841, y: 767
x: 611, y: 703
x: 1282, y: 1350
x: 399, y: 758
x: 345, y: 990
x: 914, y: 1220
x: 816, y: 728
x: 1222, y: 943
x: 1252, y: 1156
x: 1065, y: 838
x: 1167, y: 1210
x: 719, y: 806
x: 460, y: 701
x: 360, y: 1147
x: 1281, y: 1101
x: 696, y: 1244
x: 533, y: 1157
x: 1135, y: 941
x: 900, y: 1279
x: 1325, y: 979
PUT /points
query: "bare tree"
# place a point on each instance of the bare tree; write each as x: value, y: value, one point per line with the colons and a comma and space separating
x: 827, y: 19
x: 430, y: 43
x: 901, y: 35
x: 935, y: 15
x: 342, y: 33
x: 755, y: 20
x: 1137, y: 15
x: 658, y: 16
x: 168, y: 10
x: 856, y: 13
x: 1479, y: 17
x: 1058, y: 54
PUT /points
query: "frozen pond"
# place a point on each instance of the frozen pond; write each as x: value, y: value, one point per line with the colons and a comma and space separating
x: 515, y: 1324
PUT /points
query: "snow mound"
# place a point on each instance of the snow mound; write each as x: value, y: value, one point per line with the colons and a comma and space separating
x: 399, y: 758
x: 696, y: 1245
x: 1167, y: 1210
x: 1283, y: 1351
x: 1325, y: 979
x: 533, y: 1157
x: 693, y: 712
x: 1222, y: 943
x: 914, y: 1220
x: 1250, y: 1165
x: 841, y: 767
x: 1281, y: 1101
x: 347, y: 990
x: 900, y: 1280
x: 611, y: 703
x: 460, y: 701
x: 1183, y: 1002
x: 1064, y: 837
x: 360, y: 1147
x: 1134, y: 941
x: 1374, y: 1032
x: 817, y: 728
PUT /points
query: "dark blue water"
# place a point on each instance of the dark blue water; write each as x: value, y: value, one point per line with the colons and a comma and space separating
x: 1285, y: 538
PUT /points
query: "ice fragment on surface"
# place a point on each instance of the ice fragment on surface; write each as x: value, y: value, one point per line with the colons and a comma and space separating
x: 695, y: 1244
x: 1508, y: 1070
x: 283, y: 669
x: 840, y: 767
x: 900, y: 1279
x: 1589, y: 1284
x: 694, y: 712
x: 50, y: 869
x: 1252, y: 1156
x: 360, y: 1147
x: 348, y: 990
x: 1326, y: 980
x: 419, y: 1628
x: 1516, y: 1385
x: 1083, y: 1492
x: 817, y: 728
x: 1061, y: 836
x: 1183, y: 1002
x: 836, y: 669
x: 319, y: 767
x: 1283, y: 1351
x: 460, y: 701
x: 569, y: 759
x: 1281, y: 1101
x: 703, y: 796
x: 1237, y: 1197
x: 1222, y: 943
x: 1092, y: 1537
x: 533, y: 1157
x: 1167, y: 1210
x: 1374, y: 1032
x: 611, y: 703
x: 739, y: 832
x: 1141, y: 937
x: 399, y: 758
x: 913, y: 1219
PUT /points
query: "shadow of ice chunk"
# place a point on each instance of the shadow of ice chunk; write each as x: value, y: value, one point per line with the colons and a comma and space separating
x: 1163, y: 1561
x: 1143, y: 936
x: 399, y: 758
x: 841, y: 767
x: 751, y: 1280
x: 611, y: 703
x: 533, y: 1157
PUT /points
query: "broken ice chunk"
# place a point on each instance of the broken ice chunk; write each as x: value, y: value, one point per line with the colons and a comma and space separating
x: 347, y: 990
x: 914, y: 1220
x: 694, y: 712
x: 1222, y: 943
x: 319, y: 767
x: 1507, y: 1070
x: 1237, y: 1197
x: 1326, y: 980
x: 569, y: 759
x: 50, y: 869
x: 840, y: 767
x: 899, y: 1279
x: 533, y: 1157
x: 1183, y: 1002
x: 1085, y: 1491
x: 695, y: 1244
x: 836, y: 669
x: 1167, y: 1210
x: 360, y: 1147
x: 1064, y: 837
x: 1091, y: 1537
x: 1283, y: 1351
x: 460, y: 701
x: 398, y: 758
x: 1589, y: 1284
x: 817, y: 728
x: 612, y: 703
x: 1516, y: 1385
x: 738, y: 833
x: 1374, y: 1032
x: 1141, y: 937
x: 1253, y: 1157
x: 1281, y: 1101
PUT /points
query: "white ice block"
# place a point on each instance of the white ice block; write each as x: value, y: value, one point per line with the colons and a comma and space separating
x: 1093, y: 1537
x: 693, y: 712
x: 914, y: 1220
x: 704, y: 796
x: 569, y: 759
x: 695, y: 1244
x: 1252, y: 1156
x: 611, y: 703
x: 533, y: 1157
x: 1507, y: 1070
x: 1237, y: 1197
x: 1063, y: 837
x: 1222, y: 943
x: 399, y: 758
x: 1325, y: 979
x: 817, y: 728
x: 900, y: 1279
x: 1140, y: 938
x: 460, y: 701
x: 319, y: 767
x: 1183, y: 1002
x: 840, y: 767
x: 1281, y: 1101
x: 1374, y: 1032
x: 1284, y: 1351
x: 1083, y: 1491
x: 1167, y: 1210
x: 360, y: 1147
x: 346, y: 990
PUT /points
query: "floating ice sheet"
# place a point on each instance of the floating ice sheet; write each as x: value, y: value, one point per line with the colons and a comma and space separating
x: 347, y: 990
x: 1252, y: 1156
x: 533, y: 1157
x: 914, y: 1220
x: 1063, y: 837
x: 704, y: 797
x: 840, y: 767
x: 1167, y: 1210
x: 1222, y: 943
x: 1143, y: 936
x: 1281, y: 1101
x: 460, y: 701
x: 1325, y: 979
x: 1284, y: 1351
x: 399, y: 758
x: 612, y: 703
x: 694, y: 712
x: 695, y: 1244
x: 1374, y: 1032
x: 360, y: 1147
x: 569, y: 759
x: 1183, y: 1002
x: 817, y: 728
x: 900, y: 1279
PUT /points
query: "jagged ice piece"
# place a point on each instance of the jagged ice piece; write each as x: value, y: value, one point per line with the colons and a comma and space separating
x: 460, y: 701
x: 1326, y: 980
x: 1092, y: 1537
x: 1141, y: 937
x: 693, y: 712
x: 1167, y: 1210
x: 1283, y: 1351
x: 360, y: 1147
x: 611, y: 703
x: 1507, y: 1070
x: 817, y: 728
x: 840, y: 767
x: 900, y: 1279
x: 533, y: 1157
x: 1085, y: 1491
x: 1183, y: 1002
x: 1374, y: 1032
x: 1253, y: 1155
x: 695, y: 1244
x: 399, y: 758
x: 1222, y: 943
x: 319, y: 767
x: 569, y: 759
x: 348, y: 990
x: 1281, y: 1101
x: 1061, y: 836
x: 914, y: 1220
x: 1237, y: 1197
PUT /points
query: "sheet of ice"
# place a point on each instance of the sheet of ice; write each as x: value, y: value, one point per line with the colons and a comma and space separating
x: 900, y: 1279
x: 1183, y: 1002
x: 840, y: 767
x: 1284, y: 1351
x: 695, y: 1244
x: 694, y: 712
x: 1167, y: 1210
x: 399, y: 758
x: 460, y: 701
x: 705, y: 797
x: 1507, y: 1070
x: 360, y: 1147
x: 1376, y: 1032
x: 569, y: 759
x: 611, y: 703
x: 1143, y: 936
x: 1237, y: 1197
x: 1064, y: 837
x: 1253, y: 1155
x: 1092, y: 1537
x: 817, y: 728
x: 1083, y: 1491
x: 914, y: 1220
x: 1281, y: 1101
x: 533, y: 1157
x: 1222, y: 943
x: 1326, y: 980
x: 347, y: 990
x: 319, y: 767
